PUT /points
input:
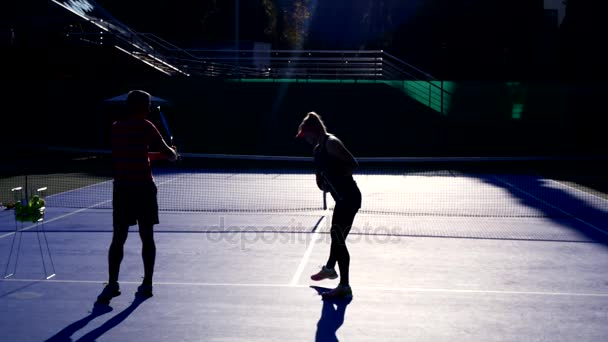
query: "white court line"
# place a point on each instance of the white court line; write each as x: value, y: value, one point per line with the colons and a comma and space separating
x: 306, y: 256
x: 78, y: 189
x: 366, y: 288
x: 74, y: 212
x: 169, y: 180
x: 552, y: 206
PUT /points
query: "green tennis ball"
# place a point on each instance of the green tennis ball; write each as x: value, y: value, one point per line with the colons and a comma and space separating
x: 36, y: 202
x: 30, y: 211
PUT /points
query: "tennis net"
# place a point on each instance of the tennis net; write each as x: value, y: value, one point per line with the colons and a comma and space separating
x: 480, y: 187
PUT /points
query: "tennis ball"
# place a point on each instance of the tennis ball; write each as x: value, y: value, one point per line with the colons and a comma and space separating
x: 34, y: 200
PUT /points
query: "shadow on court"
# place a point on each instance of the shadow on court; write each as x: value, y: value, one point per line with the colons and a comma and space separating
x: 585, y: 213
x: 65, y: 335
x: 18, y: 289
x: 332, y: 316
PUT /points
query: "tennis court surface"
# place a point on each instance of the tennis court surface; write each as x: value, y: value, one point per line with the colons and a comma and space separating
x: 442, y: 250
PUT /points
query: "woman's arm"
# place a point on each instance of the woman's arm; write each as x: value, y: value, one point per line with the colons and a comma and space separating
x: 336, y: 148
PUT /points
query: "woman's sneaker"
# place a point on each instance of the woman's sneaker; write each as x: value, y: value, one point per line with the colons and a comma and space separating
x: 324, y: 273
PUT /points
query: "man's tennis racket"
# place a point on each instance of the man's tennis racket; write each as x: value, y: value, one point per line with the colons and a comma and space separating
x: 165, y: 126
x: 170, y: 140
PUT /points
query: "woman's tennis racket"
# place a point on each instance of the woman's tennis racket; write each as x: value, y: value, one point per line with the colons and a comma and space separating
x: 333, y: 189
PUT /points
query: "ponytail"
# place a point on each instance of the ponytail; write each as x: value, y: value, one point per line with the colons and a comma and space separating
x: 313, y: 121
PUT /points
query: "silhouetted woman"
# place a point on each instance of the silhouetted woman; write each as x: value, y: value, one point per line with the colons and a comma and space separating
x: 334, y: 173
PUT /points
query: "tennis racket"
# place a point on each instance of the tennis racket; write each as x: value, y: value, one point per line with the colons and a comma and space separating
x: 169, y: 137
x: 333, y: 189
x: 165, y: 126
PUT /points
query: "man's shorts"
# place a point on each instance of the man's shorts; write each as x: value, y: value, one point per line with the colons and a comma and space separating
x: 134, y: 203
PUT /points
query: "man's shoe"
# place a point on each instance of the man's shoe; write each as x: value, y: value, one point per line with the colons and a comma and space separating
x: 109, y: 291
x: 144, y: 291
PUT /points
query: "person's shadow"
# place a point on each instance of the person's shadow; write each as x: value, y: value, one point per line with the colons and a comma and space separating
x: 332, y: 316
x: 65, y: 335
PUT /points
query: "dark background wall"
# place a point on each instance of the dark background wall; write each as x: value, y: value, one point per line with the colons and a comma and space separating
x: 54, y: 88
x: 216, y: 116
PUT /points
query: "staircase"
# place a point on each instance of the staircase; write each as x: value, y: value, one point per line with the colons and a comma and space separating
x: 101, y: 28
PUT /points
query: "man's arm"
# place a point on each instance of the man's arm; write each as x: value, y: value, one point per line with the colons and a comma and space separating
x: 166, y: 152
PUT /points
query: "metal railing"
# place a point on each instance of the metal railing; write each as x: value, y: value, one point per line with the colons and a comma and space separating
x: 310, y: 65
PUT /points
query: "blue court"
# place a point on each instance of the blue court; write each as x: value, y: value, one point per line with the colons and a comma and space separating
x: 439, y: 256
